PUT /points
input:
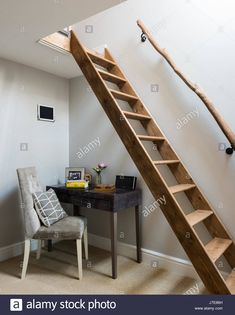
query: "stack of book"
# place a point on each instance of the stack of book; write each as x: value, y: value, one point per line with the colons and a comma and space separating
x: 76, y: 184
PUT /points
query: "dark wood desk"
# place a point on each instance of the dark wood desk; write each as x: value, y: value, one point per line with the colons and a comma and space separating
x: 110, y: 202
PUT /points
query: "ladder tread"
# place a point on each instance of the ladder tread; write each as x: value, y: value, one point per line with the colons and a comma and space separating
x: 100, y: 60
x: 198, y: 216
x: 216, y: 247
x: 163, y: 162
x: 181, y: 187
x: 150, y: 138
x: 111, y: 77
x: 136, y: 116
x: 124, y: 96
x: 230, y: 281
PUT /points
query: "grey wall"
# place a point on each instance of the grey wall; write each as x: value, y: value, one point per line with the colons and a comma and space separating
x: 200, y: 36
x: 21, y: 89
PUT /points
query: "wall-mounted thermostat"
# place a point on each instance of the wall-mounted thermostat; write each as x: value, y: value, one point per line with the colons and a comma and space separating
x: 46, y: 113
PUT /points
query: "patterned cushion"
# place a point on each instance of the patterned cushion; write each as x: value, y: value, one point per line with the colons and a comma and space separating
x: 48, y: 207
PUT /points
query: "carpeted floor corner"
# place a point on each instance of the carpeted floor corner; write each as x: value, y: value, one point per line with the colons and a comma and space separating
x: 56, y: 272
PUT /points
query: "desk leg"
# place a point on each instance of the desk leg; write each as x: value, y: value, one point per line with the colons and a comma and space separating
x: 138, y: 233
x: 49, y: 246
x: 113, y: 218
x: 76, y: 210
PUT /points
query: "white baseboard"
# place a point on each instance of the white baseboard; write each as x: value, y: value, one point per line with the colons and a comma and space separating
x: 170, y: 263
x: 14, y: 250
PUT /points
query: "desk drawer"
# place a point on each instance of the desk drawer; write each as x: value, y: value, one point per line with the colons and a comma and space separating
x: 92, y: 203
x: 63, y: 197
x: 87, y: 203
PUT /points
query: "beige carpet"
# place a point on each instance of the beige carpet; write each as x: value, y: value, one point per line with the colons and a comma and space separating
x: 55, y: 273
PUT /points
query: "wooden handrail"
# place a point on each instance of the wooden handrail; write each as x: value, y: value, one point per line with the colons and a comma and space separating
x: 209, y: 104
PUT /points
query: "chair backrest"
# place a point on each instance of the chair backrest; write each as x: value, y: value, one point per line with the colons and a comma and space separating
x: 29, y: 184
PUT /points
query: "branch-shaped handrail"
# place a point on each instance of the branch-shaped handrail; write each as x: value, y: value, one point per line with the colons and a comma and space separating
x: 219, y: 119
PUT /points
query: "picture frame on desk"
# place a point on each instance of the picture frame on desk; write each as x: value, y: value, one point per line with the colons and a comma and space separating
x: 74, y: 173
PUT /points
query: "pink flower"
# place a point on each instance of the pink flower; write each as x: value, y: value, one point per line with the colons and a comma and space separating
x: 102, y: 165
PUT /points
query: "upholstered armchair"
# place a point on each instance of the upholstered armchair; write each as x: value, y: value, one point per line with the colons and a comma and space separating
x: 68, y: 228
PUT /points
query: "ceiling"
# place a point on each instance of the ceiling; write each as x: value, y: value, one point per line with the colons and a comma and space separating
x: 24, y: 22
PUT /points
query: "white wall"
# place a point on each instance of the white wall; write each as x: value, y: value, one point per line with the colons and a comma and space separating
x: 200, y: 36
x: 21, y: 89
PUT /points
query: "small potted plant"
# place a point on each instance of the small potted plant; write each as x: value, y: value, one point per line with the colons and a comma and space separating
x: 98, y: 169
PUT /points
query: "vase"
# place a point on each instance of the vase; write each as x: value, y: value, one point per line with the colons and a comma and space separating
x: 98, y: 179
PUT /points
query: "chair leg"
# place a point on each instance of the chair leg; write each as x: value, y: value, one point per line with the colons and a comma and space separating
x: 85, y: 238
x: 26, y: 258
x: 39, y: 249
x: 79, y: 257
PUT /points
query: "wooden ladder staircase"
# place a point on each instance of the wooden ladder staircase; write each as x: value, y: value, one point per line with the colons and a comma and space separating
x: 99, y: 70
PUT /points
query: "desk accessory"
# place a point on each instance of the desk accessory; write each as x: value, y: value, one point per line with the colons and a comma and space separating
x: 74, y: 173
x: 105, y: 188
x: 126, y: 182
x: 74, y: 177
x: 98, y: 169
x: 76, y: 184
